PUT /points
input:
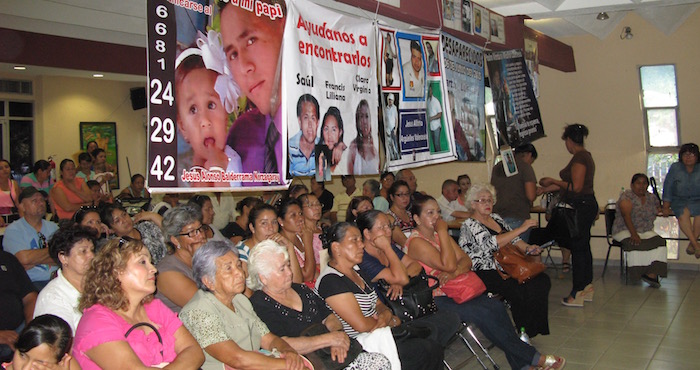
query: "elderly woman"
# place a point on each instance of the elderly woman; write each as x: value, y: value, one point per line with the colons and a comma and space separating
x: 480, y: 237
x: 402, y: 220
x: 145, y: 226
x: 71, y: 192
x: 634, y: 227
x: 291, y: 221
x: 356, y: 303
x: 72, y: 248
x: 431, y: 245
x: 363, y: 158
x: 682, y: 194
x: 288, y: 309
x: 207, y: 208
x: 222, y: 319
x: 239, y: 230
x: 371, y: 189
x: 121, y: 320
x: 45, y: 343
x: 183, y: 228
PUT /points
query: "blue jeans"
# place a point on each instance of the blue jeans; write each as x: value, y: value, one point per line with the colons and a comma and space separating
x: 515, y: 223
x: 489, y: 315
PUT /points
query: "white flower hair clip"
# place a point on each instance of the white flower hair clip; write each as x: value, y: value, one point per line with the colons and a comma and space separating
x: 212, y: 51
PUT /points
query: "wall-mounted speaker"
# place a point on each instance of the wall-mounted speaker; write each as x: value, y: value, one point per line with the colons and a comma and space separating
x: 138, y: 98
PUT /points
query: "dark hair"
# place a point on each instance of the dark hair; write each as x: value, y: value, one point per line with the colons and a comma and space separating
x: 65, y: 238
x: 199, y: 200
x: 190, y: 63
x: 46, y: 329
x: 80, y: 214
x: 335, y: 233
x: 352, y: 206
x: 527, y: 148
x: 418, y: 203
x: 92, y: 183
x: 465, y: 176
x: 222, y: 5
x: 247, y: 202
x: 362, y: 103
x: 90, y: 142
x: 304, y: 198
x: 97, y: 151
x: 637, y: 176
x: 135, y: 177
x: 41, y: 165
x: 366, y: 220
x: 448, y: 182
x: 257, y: 211
x: 295, y: 188
x: 84, y: 157
x: 283, y: 206
x: 106, y: 214
x: 396, y: 185
x: 63, y: 163
x: 334, y: 112
x: 374, y: 186
x: 689, y: 148
x: 415, y: 45
x: 576, y: 132
x: 307, y: 98
x: 385, y: 175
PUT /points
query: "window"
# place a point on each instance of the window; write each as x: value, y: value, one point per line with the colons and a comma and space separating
x: 17, y: 135
x: 660, y: 109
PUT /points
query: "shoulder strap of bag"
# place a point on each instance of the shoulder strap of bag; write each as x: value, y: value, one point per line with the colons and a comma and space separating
x: 137, y: 325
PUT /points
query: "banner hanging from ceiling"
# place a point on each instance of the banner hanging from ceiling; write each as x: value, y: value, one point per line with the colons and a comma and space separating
x: 464, y: 83
x: 518, y: 119
x: 216, y: 112
x: 330, y: 89
x: 416, y: 130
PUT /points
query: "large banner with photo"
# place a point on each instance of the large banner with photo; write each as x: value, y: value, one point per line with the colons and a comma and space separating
x: 330, y: 90
x: 464, y: 83
x: 416, y: 130
x: 215, y: 107
x: 518, y: 119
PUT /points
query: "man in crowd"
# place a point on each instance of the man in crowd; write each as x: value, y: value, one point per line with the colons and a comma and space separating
x: 18, y: 297
x: 449, y: 205
x: 342, y: 200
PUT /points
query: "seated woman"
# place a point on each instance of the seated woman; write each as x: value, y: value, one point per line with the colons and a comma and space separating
x: 207, y: 210
x: 402, y: 220
x: 356, y: 303
x: 121, y: 319
x: 682, y: 194
x: 288, y: 309
x: 145, y: 226
x: 382, y: 259
x: 634, y: 227
x: 291, y: 221
x: 356, y: 206
x: 136, y: 189
x: 183, y: 228
x: 431, y: 245
x: 45, y: 343
x: 480, y: 237
x: 238, y: 230
x: 70, y: 192
x: 222, y: 319
x: 312, y: 210
x: 72, y: 248
x: 371, y: 189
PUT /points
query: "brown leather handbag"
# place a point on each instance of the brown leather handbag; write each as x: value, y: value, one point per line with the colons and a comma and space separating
x: 517, y: 265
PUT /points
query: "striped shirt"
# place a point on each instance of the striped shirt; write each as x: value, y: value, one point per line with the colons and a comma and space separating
x: 331, y: 282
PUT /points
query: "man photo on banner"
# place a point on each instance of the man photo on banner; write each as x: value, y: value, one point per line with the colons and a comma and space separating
x: 391, y: 125
x: 389, y: 55
x: 434, y: 110
x: 433, y: 66
x: 301, y: 145
x: 501, y: 103
x: 414, y: 73
x: 252, y: 45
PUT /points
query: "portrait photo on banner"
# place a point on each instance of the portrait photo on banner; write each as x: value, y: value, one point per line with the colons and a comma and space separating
x: 412, y: 57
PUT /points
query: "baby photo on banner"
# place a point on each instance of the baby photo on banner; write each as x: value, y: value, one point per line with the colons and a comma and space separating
x: 330, y: 88
x: 464, y: 83
x: 416, y: 129
x: 215, y: 103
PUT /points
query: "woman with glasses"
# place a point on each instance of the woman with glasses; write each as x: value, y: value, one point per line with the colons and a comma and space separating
x: 207, y: 208
x: 184, y: 230
x: 682, y: 194
x: 145, y: 226
x: 480, y: 237
x: 401, y: 218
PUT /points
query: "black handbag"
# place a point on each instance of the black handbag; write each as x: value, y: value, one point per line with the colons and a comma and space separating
x: 321, y: 358
x: 417, y: 298
x: 564, y: 220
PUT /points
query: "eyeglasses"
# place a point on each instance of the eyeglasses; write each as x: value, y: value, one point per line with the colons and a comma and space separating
x: 317, y: 204
x: 42, y: 240
x: 483, y: 201
x: 193, y: 233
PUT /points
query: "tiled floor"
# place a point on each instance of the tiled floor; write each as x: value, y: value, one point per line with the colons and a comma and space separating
x: 626, y: 326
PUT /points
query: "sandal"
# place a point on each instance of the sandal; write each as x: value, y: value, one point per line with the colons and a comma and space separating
x: 565, y: 267
x: 552, y: 362
x: 690, y: 250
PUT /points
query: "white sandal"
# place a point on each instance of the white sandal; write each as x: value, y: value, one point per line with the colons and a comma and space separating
x: 551, y: 360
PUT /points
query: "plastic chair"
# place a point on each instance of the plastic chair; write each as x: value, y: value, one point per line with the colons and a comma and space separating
x: 609, y: 219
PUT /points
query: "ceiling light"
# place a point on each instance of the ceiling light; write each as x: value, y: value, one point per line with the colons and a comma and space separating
x: 19, y: 68
x: 98, y: 75
x: 626, y: 33
x: 602, y: 16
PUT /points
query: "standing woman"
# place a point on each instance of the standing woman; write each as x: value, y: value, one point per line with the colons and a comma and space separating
x: 70, y: 193
x: 291, y: 221
x: 10, y: 190
x: 578, y: 176
x: 402, y: 221
x: 363, y: 155
x: 312, y: 211
x: 682, y: 194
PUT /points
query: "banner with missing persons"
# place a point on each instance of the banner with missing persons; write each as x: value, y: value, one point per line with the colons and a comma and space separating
x: 416, y: 130
x: 518, y: 119
x: 216, y: 111
x: 330, y: 91
x: 464, y: 83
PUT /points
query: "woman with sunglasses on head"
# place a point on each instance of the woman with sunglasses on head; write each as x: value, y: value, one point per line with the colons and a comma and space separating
x: 291, y: 221
x: 401, y: 218
x: 45, y: 343
x: 184, y: 230
x: 682, y: 194
x: 207, y: 208
x: 123, y: 326
x: 145, y: 226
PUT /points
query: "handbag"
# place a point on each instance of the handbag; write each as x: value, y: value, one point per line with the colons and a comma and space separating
x: 321, y: 358
x: 417, y: 298
x: 516, y: 264
x: 464, y: 287
x: 564, y: 220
